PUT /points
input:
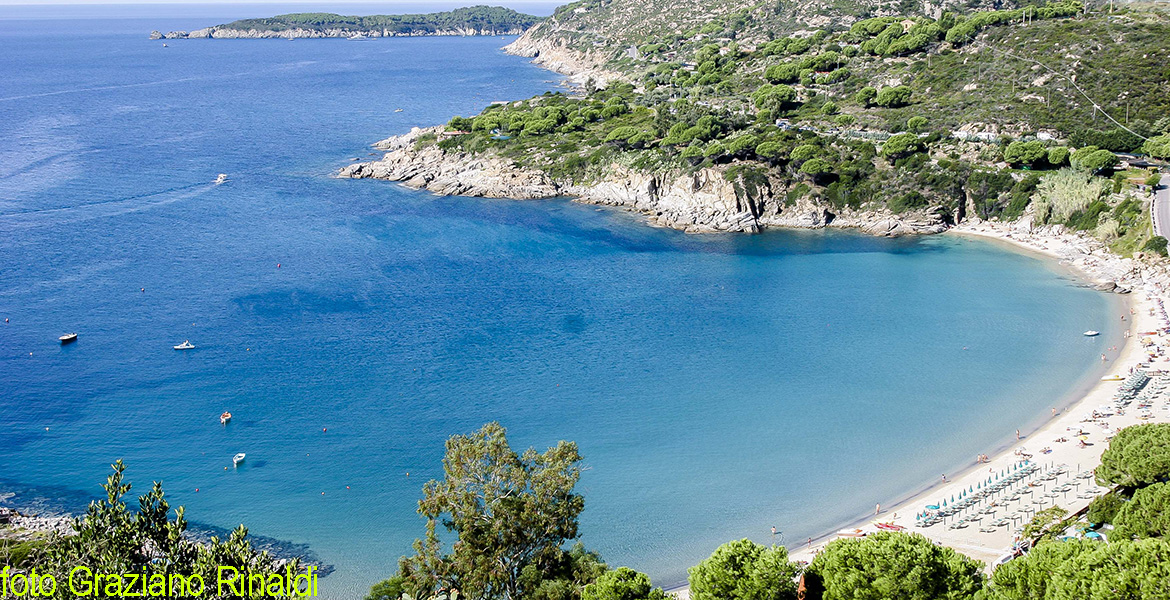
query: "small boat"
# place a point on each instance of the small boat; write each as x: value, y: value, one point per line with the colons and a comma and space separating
x: 398, y: 110
x: 225, y: 417
x: 1112, y: 378
x: 1091, y: 333
x: 237, y: 459
x: 222, y: 178
x: 164, y: 45
x: 68, y: 338
x: 186, y: 345
x: 357, y: 37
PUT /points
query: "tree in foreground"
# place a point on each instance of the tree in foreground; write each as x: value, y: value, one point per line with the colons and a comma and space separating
x: 510, y: 512
x: 1146, y: 515
x: 1029, y: 577
x: 907, y: 566
x: 622, y: 583
x: 1137, y: 456
x: 744, y: 570
x: 1137, y: 570
x: 110, y: 538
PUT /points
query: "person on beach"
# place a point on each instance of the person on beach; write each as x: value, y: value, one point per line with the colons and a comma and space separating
x: 944, y: 477
x: 810, y: 542
x: 878, y: 509
x: 1017, y: 435
x: 773, y: 530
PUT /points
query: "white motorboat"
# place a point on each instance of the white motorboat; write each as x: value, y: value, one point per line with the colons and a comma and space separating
x: 68, y: 338
x: 186, y: 345
x: 237, y: 459
x: 222, y: 178
x: 225, y: 417
x: 357, y: 37
x: 1091, y: 333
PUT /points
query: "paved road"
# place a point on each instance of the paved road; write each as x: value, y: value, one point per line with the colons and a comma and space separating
x: 1161, y: 210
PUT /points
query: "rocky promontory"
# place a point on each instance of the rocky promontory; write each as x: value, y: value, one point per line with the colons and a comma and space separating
x: 221, y: 32
x: 702, y: 200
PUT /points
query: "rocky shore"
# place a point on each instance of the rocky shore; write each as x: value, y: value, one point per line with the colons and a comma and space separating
x: 220, y: 32
x: 20, y: 526
x: 700, y: 201
x: 555, y: 56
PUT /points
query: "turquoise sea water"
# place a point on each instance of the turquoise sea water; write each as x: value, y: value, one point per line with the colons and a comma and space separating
x: 717, y: 385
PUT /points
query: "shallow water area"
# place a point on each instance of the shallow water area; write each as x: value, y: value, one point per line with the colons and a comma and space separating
x: 717, y: 385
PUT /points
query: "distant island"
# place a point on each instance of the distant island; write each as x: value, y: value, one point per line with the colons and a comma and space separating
x: 473, y: 20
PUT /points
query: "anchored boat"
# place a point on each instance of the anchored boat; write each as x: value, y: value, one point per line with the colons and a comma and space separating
x: 237, y: 459
x: 225, y: 417
x: 186, y: 345
x: 68, y: 338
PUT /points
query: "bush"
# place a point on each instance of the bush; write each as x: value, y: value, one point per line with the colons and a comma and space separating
x: 1137, y: 455
x: 901, y: 145
x: 907, y: 201
x: 894, y: 96
x: 784, y: 73
x: 805, y: 151
x: 460, y: 124
x: 1093, y: 159
x: 829, y: 108
x: 845, y: 120
x: 1025, y: 153
x: 906, y: 566
x: 1158, y: 147
x: 1058, y: 156
x: 622, y: 583
x: 1155, y: 244
x: 916, y: 124
x: 816, y: 167
x: 865, y: 96
x: 1103, y: 509
x: 744, y: 570
x: 1146, y: 515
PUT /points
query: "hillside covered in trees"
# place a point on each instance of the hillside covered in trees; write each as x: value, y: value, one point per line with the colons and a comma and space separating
x: 958, y: 114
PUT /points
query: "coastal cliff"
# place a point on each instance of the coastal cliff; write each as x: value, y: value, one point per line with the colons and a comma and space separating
x: 555, y: 55
x: 703, y: 200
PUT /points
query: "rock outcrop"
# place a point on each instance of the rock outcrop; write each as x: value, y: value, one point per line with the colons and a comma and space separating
x: 552, y: 54
x: 704, y: 200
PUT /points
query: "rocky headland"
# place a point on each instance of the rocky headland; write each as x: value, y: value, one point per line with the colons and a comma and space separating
x: 553, y: 54
x: 220, y: 32
x: 705, y: 200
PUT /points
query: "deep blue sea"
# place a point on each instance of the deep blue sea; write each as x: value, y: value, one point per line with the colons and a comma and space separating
x: 717, y: 384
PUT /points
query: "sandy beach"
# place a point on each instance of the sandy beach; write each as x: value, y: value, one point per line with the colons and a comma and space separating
x: 1073, y: 488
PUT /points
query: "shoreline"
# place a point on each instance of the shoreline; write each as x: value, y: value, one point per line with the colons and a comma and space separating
x: 1055, y: 248
x: 1084, y: 397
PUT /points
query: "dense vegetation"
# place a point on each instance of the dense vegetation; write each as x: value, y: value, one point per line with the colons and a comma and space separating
x: 513, y: 514
x: 955, y: 116
x: 478, y: 18
x: 519, y: 510
x: 112, y: 539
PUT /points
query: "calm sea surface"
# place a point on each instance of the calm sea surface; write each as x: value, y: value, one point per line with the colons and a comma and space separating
x: 717, y: 385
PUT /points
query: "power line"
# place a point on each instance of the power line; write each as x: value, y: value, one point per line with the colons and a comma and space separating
x: 1071, y: 82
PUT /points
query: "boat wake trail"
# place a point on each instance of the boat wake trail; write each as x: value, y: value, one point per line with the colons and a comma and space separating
x: 105, y: 208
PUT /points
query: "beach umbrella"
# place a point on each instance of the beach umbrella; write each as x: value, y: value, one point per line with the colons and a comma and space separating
x: 945, y: 502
